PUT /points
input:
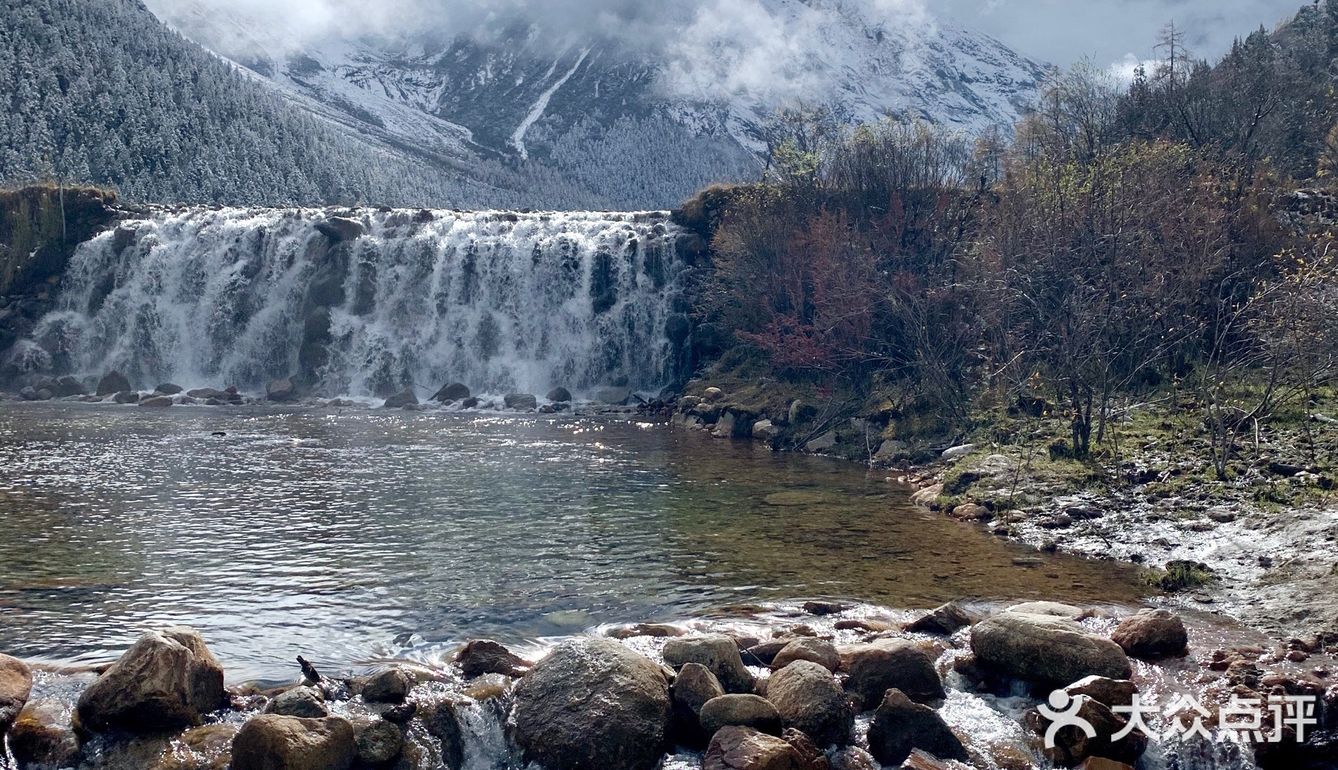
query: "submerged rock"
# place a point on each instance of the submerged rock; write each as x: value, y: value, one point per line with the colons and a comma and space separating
x: 718, y: 653
x: 593, y: 703
x: 166, y: 681
x: 1046, y: 649
x: 809, y: 700
x: 16, y: 684
x: 202, y: 748
x: 875, y: 668
x: 272, y: 742
x: 901, y: 725
x: 1152, y: 635
x: 484, y: 656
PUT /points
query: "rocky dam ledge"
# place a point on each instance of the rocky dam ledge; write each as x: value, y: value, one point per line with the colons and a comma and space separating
x: 821, y: 686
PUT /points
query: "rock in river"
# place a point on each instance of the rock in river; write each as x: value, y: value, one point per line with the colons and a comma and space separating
x: 273, y: 742
x: 455, y: 391
x: 520, y: 401
x: 745, y: 749
x: 887, y: 663
x: 402, y: 399
x: 305, y: 702
x: 1046, y: 649
x: 694, y: 687
x: 16, y: 684
x: 559, y: 395
x: 901, y: 725
x: 484, y: 656
x: 1152, y: 635
x: 718, y: 653
x: 742, y: 748
x: 809, y: 700
x: 166, y: 681
x: 593, y: 703
x: 740, y: 711
x: 816, y: 650
x: 111, y: 383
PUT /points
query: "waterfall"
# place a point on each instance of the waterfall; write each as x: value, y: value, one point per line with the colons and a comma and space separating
x: 372, y: 301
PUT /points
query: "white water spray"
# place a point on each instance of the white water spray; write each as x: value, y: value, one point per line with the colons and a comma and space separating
x: 502, y: 302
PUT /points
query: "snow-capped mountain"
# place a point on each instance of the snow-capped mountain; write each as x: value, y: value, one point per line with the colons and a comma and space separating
x: 611, y: 118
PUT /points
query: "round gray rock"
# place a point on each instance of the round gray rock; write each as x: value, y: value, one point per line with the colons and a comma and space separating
x: 809, y: 700
x: 740, y: 711
x: 718, y: 653
x: 593, y: 703
x: 1046, y: 649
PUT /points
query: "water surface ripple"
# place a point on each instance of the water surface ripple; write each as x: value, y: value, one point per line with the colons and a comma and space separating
x: 355, y: 535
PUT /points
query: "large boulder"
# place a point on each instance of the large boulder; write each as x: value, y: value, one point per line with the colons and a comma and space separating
x: 273, y: 742
x: 1152, y: 635
x: 559, y: 395
x: 875, y: 668
x: 1045, y: 649
x: 166, y: 681
x: 900, y: 725
x: 809, y: 700
x: 484, y: 656
x: 718, y: 653
x: 817, y: 651
x: 593, y: 703
x: 740, y: 711
x: 64, y: 387
x: 742, y: 748
x: 454, y: 391
x: 112, y: 383
x: 694, y: 687
x: 16, y: 684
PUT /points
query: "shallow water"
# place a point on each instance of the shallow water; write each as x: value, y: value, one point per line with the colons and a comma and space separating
x: 359, y: 535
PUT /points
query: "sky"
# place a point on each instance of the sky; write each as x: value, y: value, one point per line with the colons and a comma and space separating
x: 1112, y: 33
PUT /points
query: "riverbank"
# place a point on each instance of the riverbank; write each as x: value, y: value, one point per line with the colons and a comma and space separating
x: 1260, y: 545
x: 812, y: 685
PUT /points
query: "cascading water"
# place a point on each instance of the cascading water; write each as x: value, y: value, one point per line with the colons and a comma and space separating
x: 376, y: 300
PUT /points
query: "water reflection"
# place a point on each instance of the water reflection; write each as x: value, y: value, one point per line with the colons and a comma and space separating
x: 336, y: 534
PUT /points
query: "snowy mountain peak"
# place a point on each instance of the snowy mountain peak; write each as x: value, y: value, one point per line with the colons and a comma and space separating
x: 637, y: 111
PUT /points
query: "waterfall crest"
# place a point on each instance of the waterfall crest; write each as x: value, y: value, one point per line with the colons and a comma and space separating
x: 373, y: 301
